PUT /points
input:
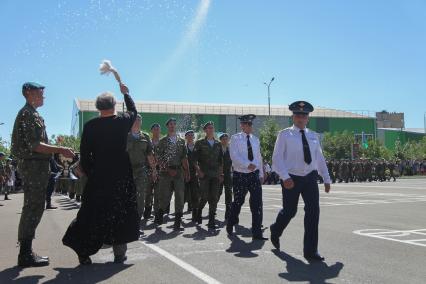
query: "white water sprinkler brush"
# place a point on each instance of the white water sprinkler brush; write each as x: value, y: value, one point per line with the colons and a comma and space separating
x: 106, y: 68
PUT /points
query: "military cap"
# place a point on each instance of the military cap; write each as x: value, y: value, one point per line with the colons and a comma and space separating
x: 31, y: 86
x: 155, y: 125
x: 247, y: 118
x: 2, y: 154
x: 170, y: 120
x: 138, y: 116
x: 223, y: 135
x: 189, y: 132
x: 301, y: 107
x: 208, y: 123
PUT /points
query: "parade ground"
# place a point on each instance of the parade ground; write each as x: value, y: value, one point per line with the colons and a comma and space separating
x: 369, y: 233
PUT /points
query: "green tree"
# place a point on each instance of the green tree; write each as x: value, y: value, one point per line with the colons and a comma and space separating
x: 338, y: 145
x: 4, y: 146
x: 375, y: 150
x: 66, y: 141
x: 268, y: 135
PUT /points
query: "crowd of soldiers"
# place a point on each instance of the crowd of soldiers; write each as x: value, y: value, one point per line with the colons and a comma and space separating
x: 362, y: 170
x: 195, y: 171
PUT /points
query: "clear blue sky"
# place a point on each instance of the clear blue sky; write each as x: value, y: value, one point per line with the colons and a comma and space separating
x: 352, y: 55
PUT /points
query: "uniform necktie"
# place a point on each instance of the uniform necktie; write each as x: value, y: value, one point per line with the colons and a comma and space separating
x: 249, y: 149
x: 306, y: 151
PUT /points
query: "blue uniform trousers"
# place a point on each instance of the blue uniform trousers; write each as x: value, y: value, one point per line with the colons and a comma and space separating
x: 243, y: 183
x: 306, y: 186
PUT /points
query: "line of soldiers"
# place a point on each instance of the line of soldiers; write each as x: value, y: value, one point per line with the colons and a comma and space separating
x: 361, y: 170
x: 195, y: 171
x: 6, y: 175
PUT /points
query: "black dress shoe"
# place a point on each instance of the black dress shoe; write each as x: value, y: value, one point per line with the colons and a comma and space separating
x: 275, y: 240
x: 84, y: 260
x: 230, y: 229
x: 314, y: 257
x: 32, y: 260
x: 259, y: 238
x: 120, y: 259
x: 49, y: 206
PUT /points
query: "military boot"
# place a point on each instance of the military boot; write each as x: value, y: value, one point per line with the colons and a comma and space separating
x: 27, y: 258
x: 194, y: 215
x: 6, y: 196
x: 212, y: 222
x: 159, y: 217
x: 178, y: 221
x: 147, y: 212
x: 199, y: 216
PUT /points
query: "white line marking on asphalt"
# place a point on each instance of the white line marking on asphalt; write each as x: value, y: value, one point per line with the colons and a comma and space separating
x: 191, y: 269
x: 392, y: 235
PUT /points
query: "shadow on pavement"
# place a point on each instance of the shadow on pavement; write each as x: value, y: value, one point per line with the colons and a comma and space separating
x: 9, y: 275
x: 315, y: 272
x: 94, y: 273
x: 244, y: 249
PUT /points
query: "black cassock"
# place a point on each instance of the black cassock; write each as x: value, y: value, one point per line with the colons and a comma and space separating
x: 108, y: 214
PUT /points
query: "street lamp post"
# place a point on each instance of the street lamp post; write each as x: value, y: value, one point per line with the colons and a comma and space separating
x: 269, y: 94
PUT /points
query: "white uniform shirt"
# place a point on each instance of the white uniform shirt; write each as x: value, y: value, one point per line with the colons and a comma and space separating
x: 288, y: 154
x: 239, y: 153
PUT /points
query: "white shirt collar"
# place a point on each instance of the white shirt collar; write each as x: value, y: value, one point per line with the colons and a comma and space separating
x: 295, y: 128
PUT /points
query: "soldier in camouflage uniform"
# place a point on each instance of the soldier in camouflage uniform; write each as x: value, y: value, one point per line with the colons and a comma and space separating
x: 227, y: 174
x: 30, y: 146
x: 192, y: 195
x: 357, y: 171
x: 337, y: 166
x: 151, y: 195
x: 141, y: 156
x: 209, y: 164
x: 174, y: 171
x: 330, y: 167
x: 80, y: 183
x: 368, y: 170
x: 3, y: 176
x: 378, y: 171
x: 391, y: 166
x: 344, y: 172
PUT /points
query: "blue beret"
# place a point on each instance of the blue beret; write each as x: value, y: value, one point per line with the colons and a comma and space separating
x: 170, y: 120
x: 208, y: 123
x: 223, y: 135
x: 155, y: 125
x: 32, y: 86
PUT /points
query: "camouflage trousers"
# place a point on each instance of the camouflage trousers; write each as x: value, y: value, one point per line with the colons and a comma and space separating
x: 142, y: 183
x: 151, y: 196
x: 35, y: 177
x: 209, y: 189
x: 227, y: 184
x: 168, y: 184
x: 192, y: 194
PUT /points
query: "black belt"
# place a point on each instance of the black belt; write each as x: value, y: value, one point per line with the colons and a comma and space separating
x: 37, y: 159
x: 174, y: 167
x: 240, y: 173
